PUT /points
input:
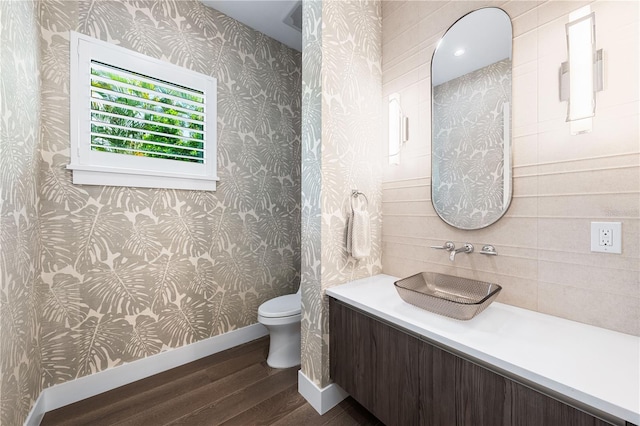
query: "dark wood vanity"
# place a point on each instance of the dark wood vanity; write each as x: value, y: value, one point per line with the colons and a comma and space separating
x: 403, y: 379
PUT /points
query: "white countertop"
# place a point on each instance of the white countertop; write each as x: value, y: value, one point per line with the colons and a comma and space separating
x: 598, y: 367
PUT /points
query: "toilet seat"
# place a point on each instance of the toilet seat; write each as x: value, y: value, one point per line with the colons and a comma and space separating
x: 275, y: 321
x: 283, y: 306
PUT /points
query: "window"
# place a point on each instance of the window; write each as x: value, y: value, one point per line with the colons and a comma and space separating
x: 138, y: 121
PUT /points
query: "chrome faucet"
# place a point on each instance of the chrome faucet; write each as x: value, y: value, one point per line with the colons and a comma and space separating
x: 448, y: 246
x: 466, y: 248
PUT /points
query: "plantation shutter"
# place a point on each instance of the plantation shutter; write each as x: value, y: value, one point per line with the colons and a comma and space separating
x: 137, y: 121
x: 133, y: 114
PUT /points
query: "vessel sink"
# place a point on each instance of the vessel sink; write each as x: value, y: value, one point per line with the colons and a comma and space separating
x: 454, y: 297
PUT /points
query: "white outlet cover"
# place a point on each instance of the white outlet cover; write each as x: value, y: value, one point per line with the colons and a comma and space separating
x: 616, y: 237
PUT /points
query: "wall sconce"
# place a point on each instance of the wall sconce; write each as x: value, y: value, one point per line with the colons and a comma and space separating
x: 398, y: 128
x: 582, y: 75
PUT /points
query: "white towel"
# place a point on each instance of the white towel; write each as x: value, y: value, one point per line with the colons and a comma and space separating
x: 358, y: 234
x: 349, y: 228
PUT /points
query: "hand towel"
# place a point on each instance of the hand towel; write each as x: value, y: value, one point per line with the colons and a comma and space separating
x: 360, y: 234
x: 349, y: 228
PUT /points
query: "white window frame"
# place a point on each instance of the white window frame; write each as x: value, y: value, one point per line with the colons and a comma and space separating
x: 91, y: 167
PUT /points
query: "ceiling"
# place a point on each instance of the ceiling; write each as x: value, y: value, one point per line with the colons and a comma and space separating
x: 484, y: 35
x: 275, y: 18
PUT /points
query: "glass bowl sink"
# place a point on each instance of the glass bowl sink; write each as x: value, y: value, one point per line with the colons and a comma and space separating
x: 454, y: 297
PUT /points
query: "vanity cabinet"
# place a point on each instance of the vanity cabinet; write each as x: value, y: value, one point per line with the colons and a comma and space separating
x: 404, y: 380
x: 384, y: 381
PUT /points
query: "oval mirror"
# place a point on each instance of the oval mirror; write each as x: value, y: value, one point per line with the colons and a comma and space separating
x: 471, y: 120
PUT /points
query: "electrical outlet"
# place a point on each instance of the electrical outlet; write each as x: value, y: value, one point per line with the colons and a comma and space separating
x: 606, y: 237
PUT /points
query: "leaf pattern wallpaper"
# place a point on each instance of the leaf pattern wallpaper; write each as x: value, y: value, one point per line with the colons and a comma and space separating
x: 20, y: 292
x: 94, y: 277
x: 468, y: 142
x: 341, y: 115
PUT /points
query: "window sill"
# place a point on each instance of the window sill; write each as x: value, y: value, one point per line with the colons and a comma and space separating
x: 111, y: 176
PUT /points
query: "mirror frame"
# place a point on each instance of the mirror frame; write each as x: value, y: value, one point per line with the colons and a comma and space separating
x: 510, y: 145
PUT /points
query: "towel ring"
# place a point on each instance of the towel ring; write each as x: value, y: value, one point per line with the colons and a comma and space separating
x: 355, y: 194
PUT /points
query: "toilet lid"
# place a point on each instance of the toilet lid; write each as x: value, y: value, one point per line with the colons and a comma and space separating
x: 283, y: 306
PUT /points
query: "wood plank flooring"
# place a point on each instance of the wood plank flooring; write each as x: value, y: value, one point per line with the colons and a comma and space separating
x: 234, y: 387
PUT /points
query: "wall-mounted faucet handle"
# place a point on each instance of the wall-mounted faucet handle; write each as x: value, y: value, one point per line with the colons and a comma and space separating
x: 488, y: 249
x: 448, y: 246
x: 466, y: 248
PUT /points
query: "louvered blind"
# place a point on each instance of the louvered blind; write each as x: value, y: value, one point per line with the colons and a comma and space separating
x: 133, y: 114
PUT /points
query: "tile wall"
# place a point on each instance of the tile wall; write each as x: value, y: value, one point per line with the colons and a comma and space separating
x: 561, y: 182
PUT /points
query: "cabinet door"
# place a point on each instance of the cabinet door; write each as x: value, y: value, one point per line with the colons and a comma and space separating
x: 482, y: 397
x: 437, y: 386
x: 376, y: 364
x: 487, y: 398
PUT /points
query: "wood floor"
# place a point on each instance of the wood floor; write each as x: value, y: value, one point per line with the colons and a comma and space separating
x: 234, y: 387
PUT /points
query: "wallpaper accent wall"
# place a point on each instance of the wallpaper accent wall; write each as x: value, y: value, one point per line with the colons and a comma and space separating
x: 312, y: 184
x: 561, y: 182
x: 128, y: 272
x: 20, y: 377
x: 341, y: 143
x: 468, y: 138
x: 131, y: 272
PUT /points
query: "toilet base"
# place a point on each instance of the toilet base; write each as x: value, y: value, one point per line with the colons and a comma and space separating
x: 284, y: 345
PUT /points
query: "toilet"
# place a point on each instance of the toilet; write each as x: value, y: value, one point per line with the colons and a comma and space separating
x: 281, y: 316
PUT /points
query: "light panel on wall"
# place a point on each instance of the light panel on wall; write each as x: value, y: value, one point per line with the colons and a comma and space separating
x: 398, y: 129
x: 581, y: 75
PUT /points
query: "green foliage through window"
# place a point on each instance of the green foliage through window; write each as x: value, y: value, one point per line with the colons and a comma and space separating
x: 137, y: 115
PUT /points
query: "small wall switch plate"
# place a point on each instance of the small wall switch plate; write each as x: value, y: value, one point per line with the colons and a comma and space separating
x: 606, y: 237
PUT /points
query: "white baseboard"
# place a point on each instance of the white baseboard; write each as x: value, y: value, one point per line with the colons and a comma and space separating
x: 85, y: 387
x: 37, y: 412
x: 323, y: 399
